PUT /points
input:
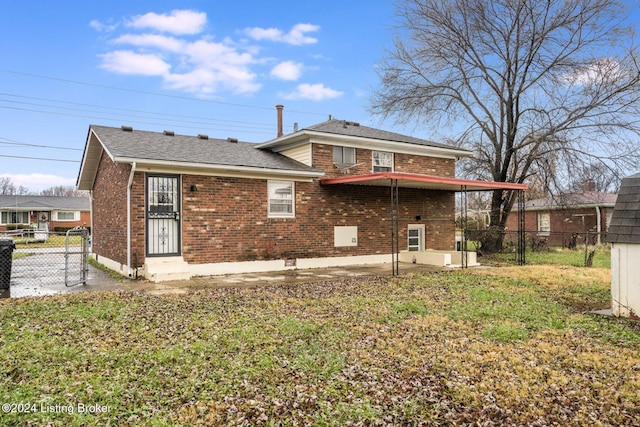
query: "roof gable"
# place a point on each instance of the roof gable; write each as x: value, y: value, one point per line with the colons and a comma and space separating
x: 625, y: 221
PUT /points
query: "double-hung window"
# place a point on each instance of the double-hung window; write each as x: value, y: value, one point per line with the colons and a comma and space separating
x: 281, y: 199
x: 544, y: 223
x: 344, y: 155
x: 415, y: 235
x: 382, y: 161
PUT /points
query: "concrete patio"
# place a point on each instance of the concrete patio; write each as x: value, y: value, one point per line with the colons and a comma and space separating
x: 101, y: 281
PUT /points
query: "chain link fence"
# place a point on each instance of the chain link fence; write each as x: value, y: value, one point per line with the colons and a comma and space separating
x: 585, y: 243
x: 44, y: 263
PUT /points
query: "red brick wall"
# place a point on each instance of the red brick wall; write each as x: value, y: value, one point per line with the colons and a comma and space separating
x: 563, y: 223
x: 323, y: 160
x: 138, y: 223
x: 109, y: 231
x: 226, y: 220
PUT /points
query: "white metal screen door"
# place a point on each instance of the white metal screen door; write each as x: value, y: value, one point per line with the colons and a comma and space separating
x: 163, y: 215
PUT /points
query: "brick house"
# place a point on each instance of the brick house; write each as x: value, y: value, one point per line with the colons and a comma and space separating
x: 44, y: 212
x: 169, y: 206
x: 559, y: 219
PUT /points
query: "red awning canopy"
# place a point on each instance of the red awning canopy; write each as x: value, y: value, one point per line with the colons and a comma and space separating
x: 414, y: 180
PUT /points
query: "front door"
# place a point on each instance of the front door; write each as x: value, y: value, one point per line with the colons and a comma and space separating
x: 163, y: 215
x: 43, y: 221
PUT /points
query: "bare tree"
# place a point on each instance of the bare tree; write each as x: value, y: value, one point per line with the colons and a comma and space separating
x: 534, y: 88
x: 594, y: 178
x: 63, y: 190
x: 7, y: 187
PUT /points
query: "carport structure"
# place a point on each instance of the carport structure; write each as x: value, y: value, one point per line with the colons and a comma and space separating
x: 396, y: 180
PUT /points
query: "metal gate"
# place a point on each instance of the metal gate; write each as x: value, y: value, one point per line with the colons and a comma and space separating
x: 76, y: 256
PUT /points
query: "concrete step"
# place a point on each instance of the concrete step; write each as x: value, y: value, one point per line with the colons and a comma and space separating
x: 166, y: 268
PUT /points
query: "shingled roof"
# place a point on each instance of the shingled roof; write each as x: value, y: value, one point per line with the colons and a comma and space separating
x: 44, y: 202
x: 343, y: 127
x: 625, y: 222
x: 145, y: 145
x: 572, y: 200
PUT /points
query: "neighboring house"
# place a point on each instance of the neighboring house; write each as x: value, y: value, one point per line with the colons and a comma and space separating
x: 44, y: 212
x: 559, y: 219
x: 167, y: 206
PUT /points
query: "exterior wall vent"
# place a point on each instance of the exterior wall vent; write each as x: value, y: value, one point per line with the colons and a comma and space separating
x: 169, y: 133
x: 203, y: 136
x: 127, y: 128
x: 232, y: 139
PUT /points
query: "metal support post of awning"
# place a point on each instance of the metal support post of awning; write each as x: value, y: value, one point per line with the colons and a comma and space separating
x: 521, y: 229
x: 395, y: 228
x: 464, y: 222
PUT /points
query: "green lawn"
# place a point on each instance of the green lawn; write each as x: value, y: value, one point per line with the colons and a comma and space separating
x: 504, y: 346
x: 53, y: 241
x: 557, y: 256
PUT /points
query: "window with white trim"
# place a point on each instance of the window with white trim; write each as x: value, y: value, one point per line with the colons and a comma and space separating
x: 415, y: 237
x: 544, y: 223
x: 9, y: 217
x: 344, y: 155
x: 382, y: 161
x: 281, y: 199
x: 67, y: 216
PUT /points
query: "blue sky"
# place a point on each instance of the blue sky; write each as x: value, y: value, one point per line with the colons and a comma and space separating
x: 214, y: 67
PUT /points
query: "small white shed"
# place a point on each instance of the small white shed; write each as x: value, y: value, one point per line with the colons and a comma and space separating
x: 624, y: 236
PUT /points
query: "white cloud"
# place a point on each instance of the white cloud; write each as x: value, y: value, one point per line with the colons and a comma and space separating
x: 99, y: 26
x: 177, y: 22
x: 287, y: 70
x: 313, y: 92
x: 37, y: 182
x: 152, y: 40
x: 603, y: 71
x: 204, y: 66
x: 296, y: 36
x: 128, y: 62
x: 206, y: 81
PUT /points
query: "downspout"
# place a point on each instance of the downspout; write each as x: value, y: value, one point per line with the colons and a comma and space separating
x: 129, y: 185
x: 599, y: 223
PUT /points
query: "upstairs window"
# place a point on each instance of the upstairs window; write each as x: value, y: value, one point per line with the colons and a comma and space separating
x: 281, y: 199
x: 382, y: 161
x: 344, y: 155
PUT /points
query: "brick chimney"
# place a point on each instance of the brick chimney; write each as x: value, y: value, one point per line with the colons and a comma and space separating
x: 279, y: 108
x: 588, y: 185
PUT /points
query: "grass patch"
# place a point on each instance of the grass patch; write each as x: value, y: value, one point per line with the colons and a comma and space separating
x: 18, y: 255
x: 53, y: 241
x: 557, y: 256
x: 495, y: 346
x: 113, y: 274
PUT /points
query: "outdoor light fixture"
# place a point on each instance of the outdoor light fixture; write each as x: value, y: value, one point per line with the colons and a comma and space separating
x: 194, y: 188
